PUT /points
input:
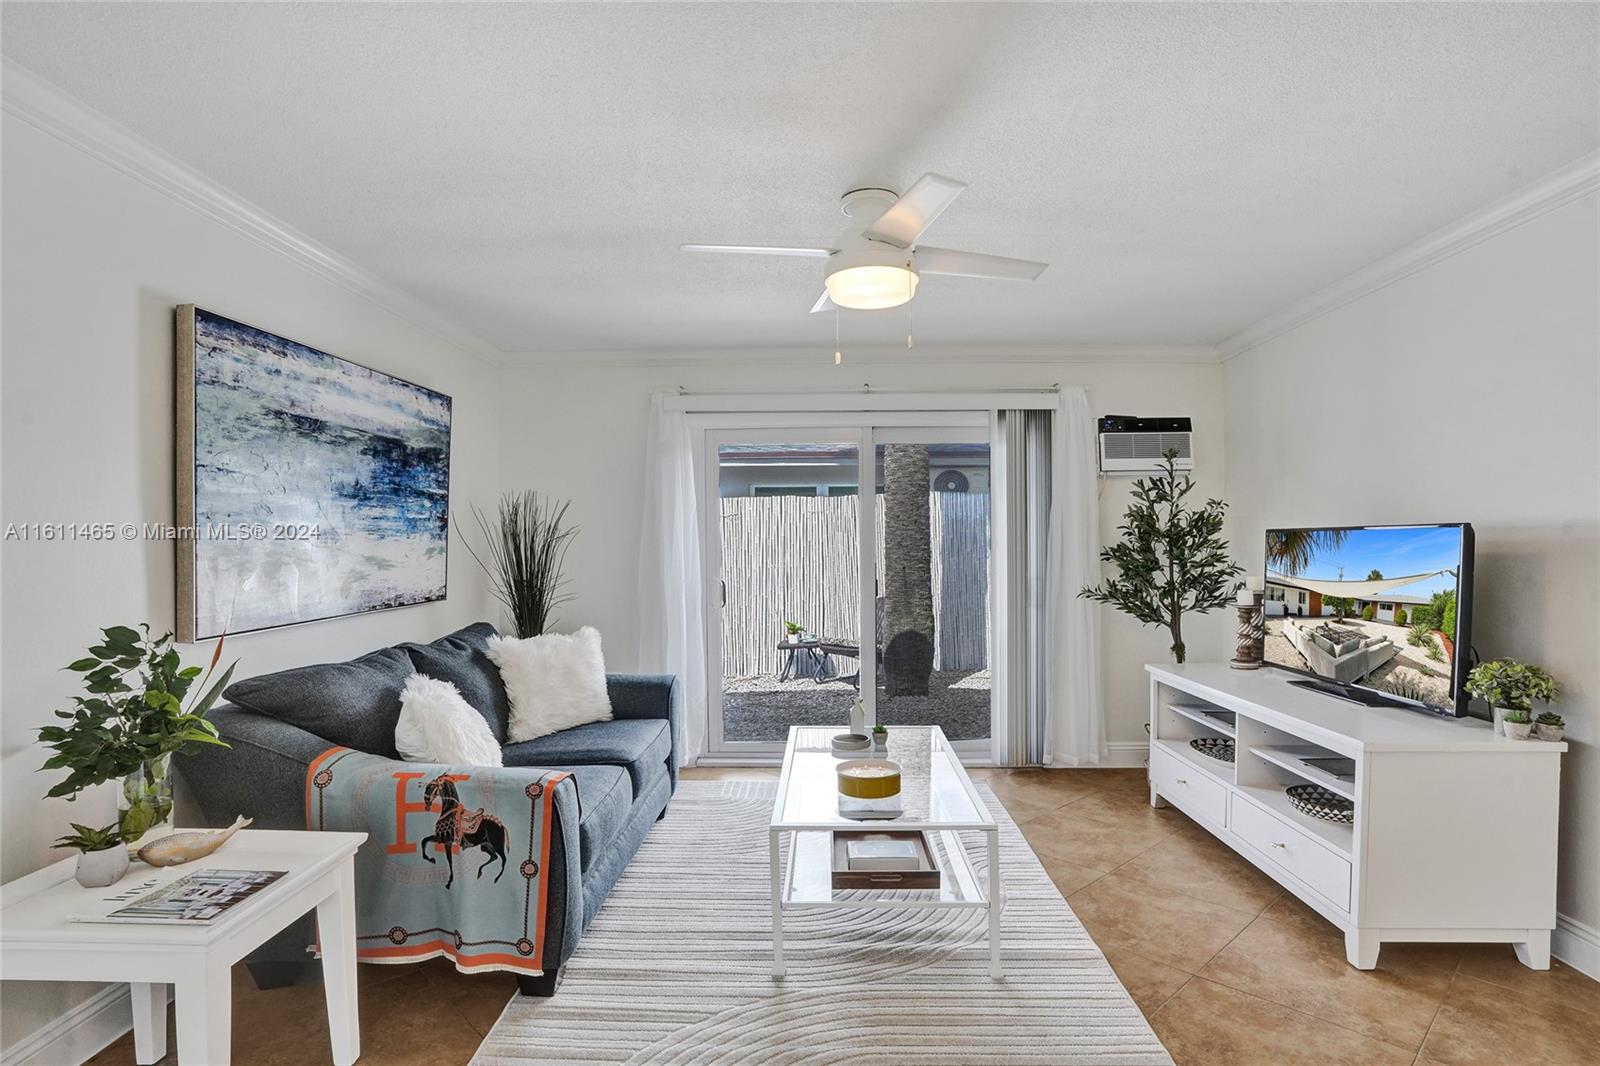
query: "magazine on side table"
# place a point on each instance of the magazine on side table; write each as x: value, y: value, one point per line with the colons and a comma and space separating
x: 199, y: 898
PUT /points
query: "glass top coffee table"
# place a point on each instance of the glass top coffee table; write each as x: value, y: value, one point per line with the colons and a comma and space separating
x: 937, y: 797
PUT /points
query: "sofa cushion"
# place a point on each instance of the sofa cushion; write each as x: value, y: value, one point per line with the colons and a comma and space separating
x: 438, y: 726
x: 604, y: 799
x: 639, y: 744
x: 355, y: 703
x: 555, y: 681
x: 460, y: 659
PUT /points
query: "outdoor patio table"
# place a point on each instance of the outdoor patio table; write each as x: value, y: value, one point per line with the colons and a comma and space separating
x: 816, y: 651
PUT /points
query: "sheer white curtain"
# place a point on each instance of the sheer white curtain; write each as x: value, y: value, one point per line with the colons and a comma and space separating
x: 671, y: 629
x: 1075, y: 729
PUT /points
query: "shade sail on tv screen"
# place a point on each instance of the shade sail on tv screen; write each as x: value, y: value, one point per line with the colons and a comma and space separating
x: 1382, y: 607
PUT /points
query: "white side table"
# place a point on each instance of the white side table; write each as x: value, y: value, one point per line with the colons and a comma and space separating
x: 39, y: 941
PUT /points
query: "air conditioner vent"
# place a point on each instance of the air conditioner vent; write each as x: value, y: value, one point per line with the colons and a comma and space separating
x: 1133, y: 450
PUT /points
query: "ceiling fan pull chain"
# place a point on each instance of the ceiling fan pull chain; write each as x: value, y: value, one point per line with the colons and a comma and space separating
x: 838, y: 353
x: 910, y: 321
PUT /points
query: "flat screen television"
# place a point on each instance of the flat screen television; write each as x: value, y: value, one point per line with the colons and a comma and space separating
x: 1378, y: 614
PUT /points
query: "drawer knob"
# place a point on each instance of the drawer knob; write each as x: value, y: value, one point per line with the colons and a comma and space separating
x: 1277, y: 845
x: 1183, y: 780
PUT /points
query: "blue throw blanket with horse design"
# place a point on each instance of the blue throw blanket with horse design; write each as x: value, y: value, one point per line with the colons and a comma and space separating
x: 454, y: 862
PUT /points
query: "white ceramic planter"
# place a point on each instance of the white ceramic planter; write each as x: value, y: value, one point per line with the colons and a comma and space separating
x: 97, y: 869
x: 1519, y: 730
x: 1549, y: 732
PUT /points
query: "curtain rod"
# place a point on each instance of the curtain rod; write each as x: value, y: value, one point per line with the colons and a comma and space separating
x: 866, y: 387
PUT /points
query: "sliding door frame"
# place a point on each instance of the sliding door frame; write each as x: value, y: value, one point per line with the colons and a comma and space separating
x: 866, y: 419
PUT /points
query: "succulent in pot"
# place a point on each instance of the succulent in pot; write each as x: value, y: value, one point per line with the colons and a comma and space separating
x: 1518, y: 724
x: 1549, y: 726
x: 102, y: 858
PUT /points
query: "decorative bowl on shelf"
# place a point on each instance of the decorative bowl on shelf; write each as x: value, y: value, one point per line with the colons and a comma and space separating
x: 1219, y: 748
x: 852, y: 745
x: 1318, y: 802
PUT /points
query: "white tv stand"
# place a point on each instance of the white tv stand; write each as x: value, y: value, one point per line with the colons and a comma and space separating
x: 1455, y: 828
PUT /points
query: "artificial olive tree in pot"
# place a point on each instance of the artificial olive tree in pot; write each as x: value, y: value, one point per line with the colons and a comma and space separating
x: 1171, y: 560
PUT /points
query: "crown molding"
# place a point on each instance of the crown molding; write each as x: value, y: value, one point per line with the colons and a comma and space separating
x: 977, y: 355
x: 46, y: 107
x: 1556, y: 189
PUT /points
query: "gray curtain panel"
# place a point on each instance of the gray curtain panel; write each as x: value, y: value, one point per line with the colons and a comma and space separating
x: 1025, y: 436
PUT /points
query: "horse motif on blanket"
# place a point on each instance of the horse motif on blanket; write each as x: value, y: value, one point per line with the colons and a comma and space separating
x: 403, y: 912
x: 458, y: 828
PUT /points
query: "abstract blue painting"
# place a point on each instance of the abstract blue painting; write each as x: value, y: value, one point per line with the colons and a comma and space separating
x: 309, y: 487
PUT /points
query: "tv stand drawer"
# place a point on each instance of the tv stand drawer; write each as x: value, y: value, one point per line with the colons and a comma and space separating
x: 1294, y: 851
x: 1188, y: 789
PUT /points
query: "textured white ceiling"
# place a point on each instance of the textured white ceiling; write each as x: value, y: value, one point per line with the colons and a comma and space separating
x: 529, y: 170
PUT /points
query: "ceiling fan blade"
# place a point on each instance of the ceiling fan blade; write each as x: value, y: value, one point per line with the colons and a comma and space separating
x: 915, y: 211
x: 976, y: 264
x: 757, y: 249
x: 823, y: 303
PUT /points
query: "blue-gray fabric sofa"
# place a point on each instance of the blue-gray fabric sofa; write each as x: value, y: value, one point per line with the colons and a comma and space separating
x: 623, y: 771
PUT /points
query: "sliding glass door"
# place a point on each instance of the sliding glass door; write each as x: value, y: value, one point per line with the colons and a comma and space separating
x: 788, y: 565
x: 829, y: 587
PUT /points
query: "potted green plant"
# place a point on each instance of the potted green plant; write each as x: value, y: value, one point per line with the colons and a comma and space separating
x: 794, y: 630
x: 1511, y: 685
x: 1517, y: 724
x: 527, y: 551
x: 880, y: 737
x: 1171, y: 560
x: 131, y: 722
x: 1549, y: 726
x: 102, y: 859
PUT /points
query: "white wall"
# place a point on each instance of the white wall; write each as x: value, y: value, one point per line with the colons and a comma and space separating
x: 94, y: 262
x: 579, y: 433
x: 1492, y: 354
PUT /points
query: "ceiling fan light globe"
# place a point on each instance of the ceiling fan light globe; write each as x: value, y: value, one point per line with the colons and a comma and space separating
x: 871, y: 287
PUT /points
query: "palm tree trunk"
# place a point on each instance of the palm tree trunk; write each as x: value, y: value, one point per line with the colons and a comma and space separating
x: 908, y: 582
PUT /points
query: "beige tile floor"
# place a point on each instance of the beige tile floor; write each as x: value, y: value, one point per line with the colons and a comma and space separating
x: 1227, y: 967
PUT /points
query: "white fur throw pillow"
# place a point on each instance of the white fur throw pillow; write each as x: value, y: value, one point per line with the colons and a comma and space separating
x: 437, y: 725
x: 555, y: 681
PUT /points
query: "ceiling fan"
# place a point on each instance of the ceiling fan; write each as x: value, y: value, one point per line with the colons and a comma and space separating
x: 876, y: 261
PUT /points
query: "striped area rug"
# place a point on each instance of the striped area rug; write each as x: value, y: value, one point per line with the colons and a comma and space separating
x: 676, y: 968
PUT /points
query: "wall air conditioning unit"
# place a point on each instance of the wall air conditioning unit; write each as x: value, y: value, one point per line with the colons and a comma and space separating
x: 1130, y: 445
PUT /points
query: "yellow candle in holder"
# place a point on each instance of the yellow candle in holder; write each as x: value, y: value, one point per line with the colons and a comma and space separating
x: 869, y: 778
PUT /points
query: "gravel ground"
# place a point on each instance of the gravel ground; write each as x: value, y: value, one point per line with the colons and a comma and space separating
x: 1411, y: 665
x: 763, y: 708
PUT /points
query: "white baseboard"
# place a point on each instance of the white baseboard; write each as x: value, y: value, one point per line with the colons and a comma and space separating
x: 79, y: 1033
x: 1577, y: 945
x: 1121, y: 754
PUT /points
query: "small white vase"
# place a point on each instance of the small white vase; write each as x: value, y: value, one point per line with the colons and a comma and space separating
x: 1519, y: 730
x: 97, y: 869
x: 1500, y: 721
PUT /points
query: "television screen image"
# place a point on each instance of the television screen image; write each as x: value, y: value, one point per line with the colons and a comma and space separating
x: 1381, y: 607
